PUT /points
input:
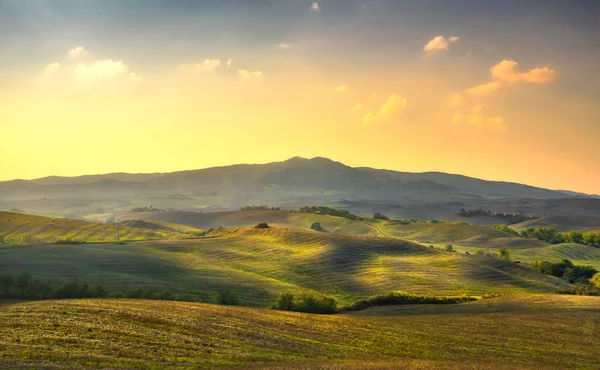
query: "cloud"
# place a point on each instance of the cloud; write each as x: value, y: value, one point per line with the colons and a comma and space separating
x: 395, y: 103
x: 51, y: 68
x: 106, y: 69
x: 77, y: 52
x: 342, y: 88
x: 476, y: 118
x: 455, y: 100
x: 229, y: 62
x: 357, y: 107
x: 315, y: 7
x: 248, y: 74
x: 439, y: 43
x: 507, y: 72
x: 284, y: 46
x: 487, y: 89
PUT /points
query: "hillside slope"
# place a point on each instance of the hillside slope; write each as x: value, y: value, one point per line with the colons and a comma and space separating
x: 561, y: 223
x: 18, y: 228
x: 153, y: 334
x: 258, y: 264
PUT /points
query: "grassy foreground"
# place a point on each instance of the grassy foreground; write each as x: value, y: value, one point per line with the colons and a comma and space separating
x: 154, y: 334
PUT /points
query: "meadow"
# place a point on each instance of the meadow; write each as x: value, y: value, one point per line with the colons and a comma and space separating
x: 259, y: 264
x: 156, y: 334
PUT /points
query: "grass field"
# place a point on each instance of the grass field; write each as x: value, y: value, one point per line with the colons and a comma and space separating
x: 154, y: 334
x: 258, y: 264
x: 18, y: 228
x: 302, y: 221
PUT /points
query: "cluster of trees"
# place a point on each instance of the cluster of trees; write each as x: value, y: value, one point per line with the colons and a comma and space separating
x: 473, y: 212
x: 262, y: 225
x: 511, y: 218
x: 322, y: 210
x: 406, y: 298
x: 259, y: 208
x: 27, y: 286
x: 380, y: 216
x: 566, y: 270
x: 151, y: 209
x: 506, y: 229
x: 305, y: 303
x: 553, y: 236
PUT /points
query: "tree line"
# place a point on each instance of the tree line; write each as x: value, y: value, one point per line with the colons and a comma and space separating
x: 322, y: 210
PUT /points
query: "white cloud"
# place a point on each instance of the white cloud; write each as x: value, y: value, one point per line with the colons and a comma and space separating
x: 284, y: 46
x: 77, y: 52
x: 229, y: 62
x: 439, y: 43
x: 395, y: 103
x: 507, y: 72
x: 315, y: 7
x: 103, y: 70
x: 342, y: 88
x: 248, y: 74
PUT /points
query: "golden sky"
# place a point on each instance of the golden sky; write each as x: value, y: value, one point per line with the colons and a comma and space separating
x: 513, y: 95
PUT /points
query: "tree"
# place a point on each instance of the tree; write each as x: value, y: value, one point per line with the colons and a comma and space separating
x: 504, y: 254
x: 449, y: 248
x: 7, y: 282
x: 285, y: 302
x: 23, y: 283
x: 596, y: 280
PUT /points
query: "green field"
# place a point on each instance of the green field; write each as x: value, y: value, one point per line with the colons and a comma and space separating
x: 18, y: 228
x: 258, y: 264
x: 155, y: 334
x: 562, y: 223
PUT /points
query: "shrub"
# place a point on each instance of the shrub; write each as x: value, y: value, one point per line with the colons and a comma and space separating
x: 316, y: 226
x: 504, y: 254
x: 262, y: 225
x: 307, y: 303
x: 480, y: 252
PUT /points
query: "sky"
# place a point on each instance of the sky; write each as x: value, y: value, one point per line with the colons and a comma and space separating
x: 496, y: 90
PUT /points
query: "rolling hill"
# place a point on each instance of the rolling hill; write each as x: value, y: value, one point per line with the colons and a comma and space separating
x: 562, y: 223
x: 17, y: 228
x: 258, y: 264
x: 294, y: 182
x: 154, y: 334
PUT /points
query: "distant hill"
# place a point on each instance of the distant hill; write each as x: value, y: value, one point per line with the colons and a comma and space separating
x: 562, y: 223
x: 297, y: 181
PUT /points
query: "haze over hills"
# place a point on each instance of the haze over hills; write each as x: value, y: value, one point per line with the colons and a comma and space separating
x: 297, y: 181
